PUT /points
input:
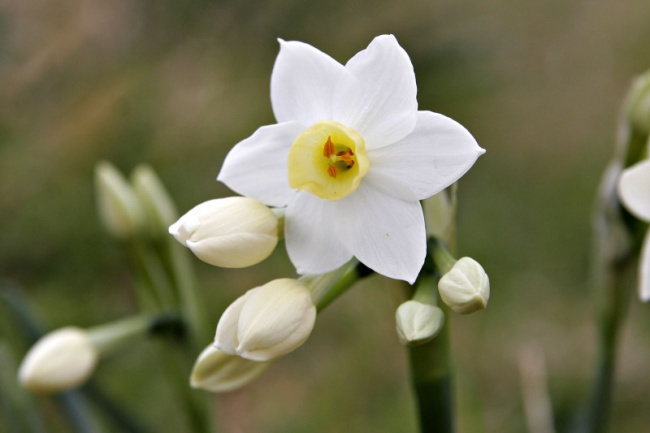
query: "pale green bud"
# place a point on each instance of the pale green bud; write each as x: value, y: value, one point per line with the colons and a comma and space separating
x: 156, y: 202
x: 267, y: 322
x: 61, y: 360
x: 439, y: 213
x: 417, y: 322
x: 233, y: 232
x: 466, y: 287
x: 117, y: 203
x: 217, y: 371
x: 638, y: 105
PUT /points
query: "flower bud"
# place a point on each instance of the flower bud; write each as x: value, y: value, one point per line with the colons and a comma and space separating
x: 417, y: 322
x: 217, y: 371
x: 232, y: 232
x: 157, y: 205
x: 466, y: 287
x: 61, y: 360
x: 638, y: 104
x: 439, y: 212
x: 117, y: 203
x: 268, y: 321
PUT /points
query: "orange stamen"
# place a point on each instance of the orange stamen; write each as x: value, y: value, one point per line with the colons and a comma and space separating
x: 331, y: 170
x: 328, y: 149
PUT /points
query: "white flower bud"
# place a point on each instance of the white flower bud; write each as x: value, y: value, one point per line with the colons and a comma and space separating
x: 217, y: 371
x: 61, y: 360
x: 232, y: 232
x: 417, y: 322
x: 117, y: 203
x: 268, y: 321
x: 466, y: 287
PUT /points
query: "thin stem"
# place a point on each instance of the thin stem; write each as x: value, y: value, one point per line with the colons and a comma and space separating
x: 613, y: 301
x: 611, y: 267
x: 351, y: 273
x: 153, y: 271
x: 176, y: 259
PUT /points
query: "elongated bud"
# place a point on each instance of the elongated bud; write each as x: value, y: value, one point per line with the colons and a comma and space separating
x: 466, y: 287
x: 117, y: 204
x: 61, y: 360
x: 66, y: 357
x: 233, y: 232
x: 439, y: 213
x: 217, y: 371
x: 417, y: 322
x: 158, y: 206
x: 638, y: 105
x: 267, y: 322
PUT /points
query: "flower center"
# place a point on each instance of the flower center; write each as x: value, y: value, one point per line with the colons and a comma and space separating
x: 328, y: 160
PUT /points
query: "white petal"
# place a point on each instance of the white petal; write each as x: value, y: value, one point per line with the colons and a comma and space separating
x: 435, y: 155
x: 644, y: 270
x: 377, y: 96
x: 257, y: 166
x: 634, y: 189
x: 302, y: 83
x: 312, y: 235
x: 385, y: 233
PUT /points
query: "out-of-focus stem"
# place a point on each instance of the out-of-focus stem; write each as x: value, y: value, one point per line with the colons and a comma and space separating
x: 612, y: 266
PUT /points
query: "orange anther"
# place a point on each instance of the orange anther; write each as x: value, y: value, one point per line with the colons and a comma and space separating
x: 328, y: 149
x: 331, y: 170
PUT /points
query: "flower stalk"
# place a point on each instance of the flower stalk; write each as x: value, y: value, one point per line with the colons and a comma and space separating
x: 617, y: 237
x: 431, y: 373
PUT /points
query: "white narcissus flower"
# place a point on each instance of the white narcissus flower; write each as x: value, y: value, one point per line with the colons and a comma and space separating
x: 634, y: 192
x: 267, y: 322
x: 350, y: 158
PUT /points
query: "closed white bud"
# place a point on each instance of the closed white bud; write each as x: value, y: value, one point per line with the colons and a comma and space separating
x: 417, y: 322
x: 117, y: 203
x: 466, y: 287
x: 267, y: 322
x: 217, y: 371
x: 61, y: 360
x: 233, y: 232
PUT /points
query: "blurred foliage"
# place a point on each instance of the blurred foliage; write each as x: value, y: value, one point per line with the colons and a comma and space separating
x: 177, y: 83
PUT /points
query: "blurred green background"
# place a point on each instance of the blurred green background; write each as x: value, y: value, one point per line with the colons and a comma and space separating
x: 177, y: 83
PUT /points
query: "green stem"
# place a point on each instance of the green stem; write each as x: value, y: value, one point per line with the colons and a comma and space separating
x: 613, y: 300
x: 153, y: 272
x: 431, y: 378
x: 344, y: 279
x: 177, y: 260
x: 612, y: 267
